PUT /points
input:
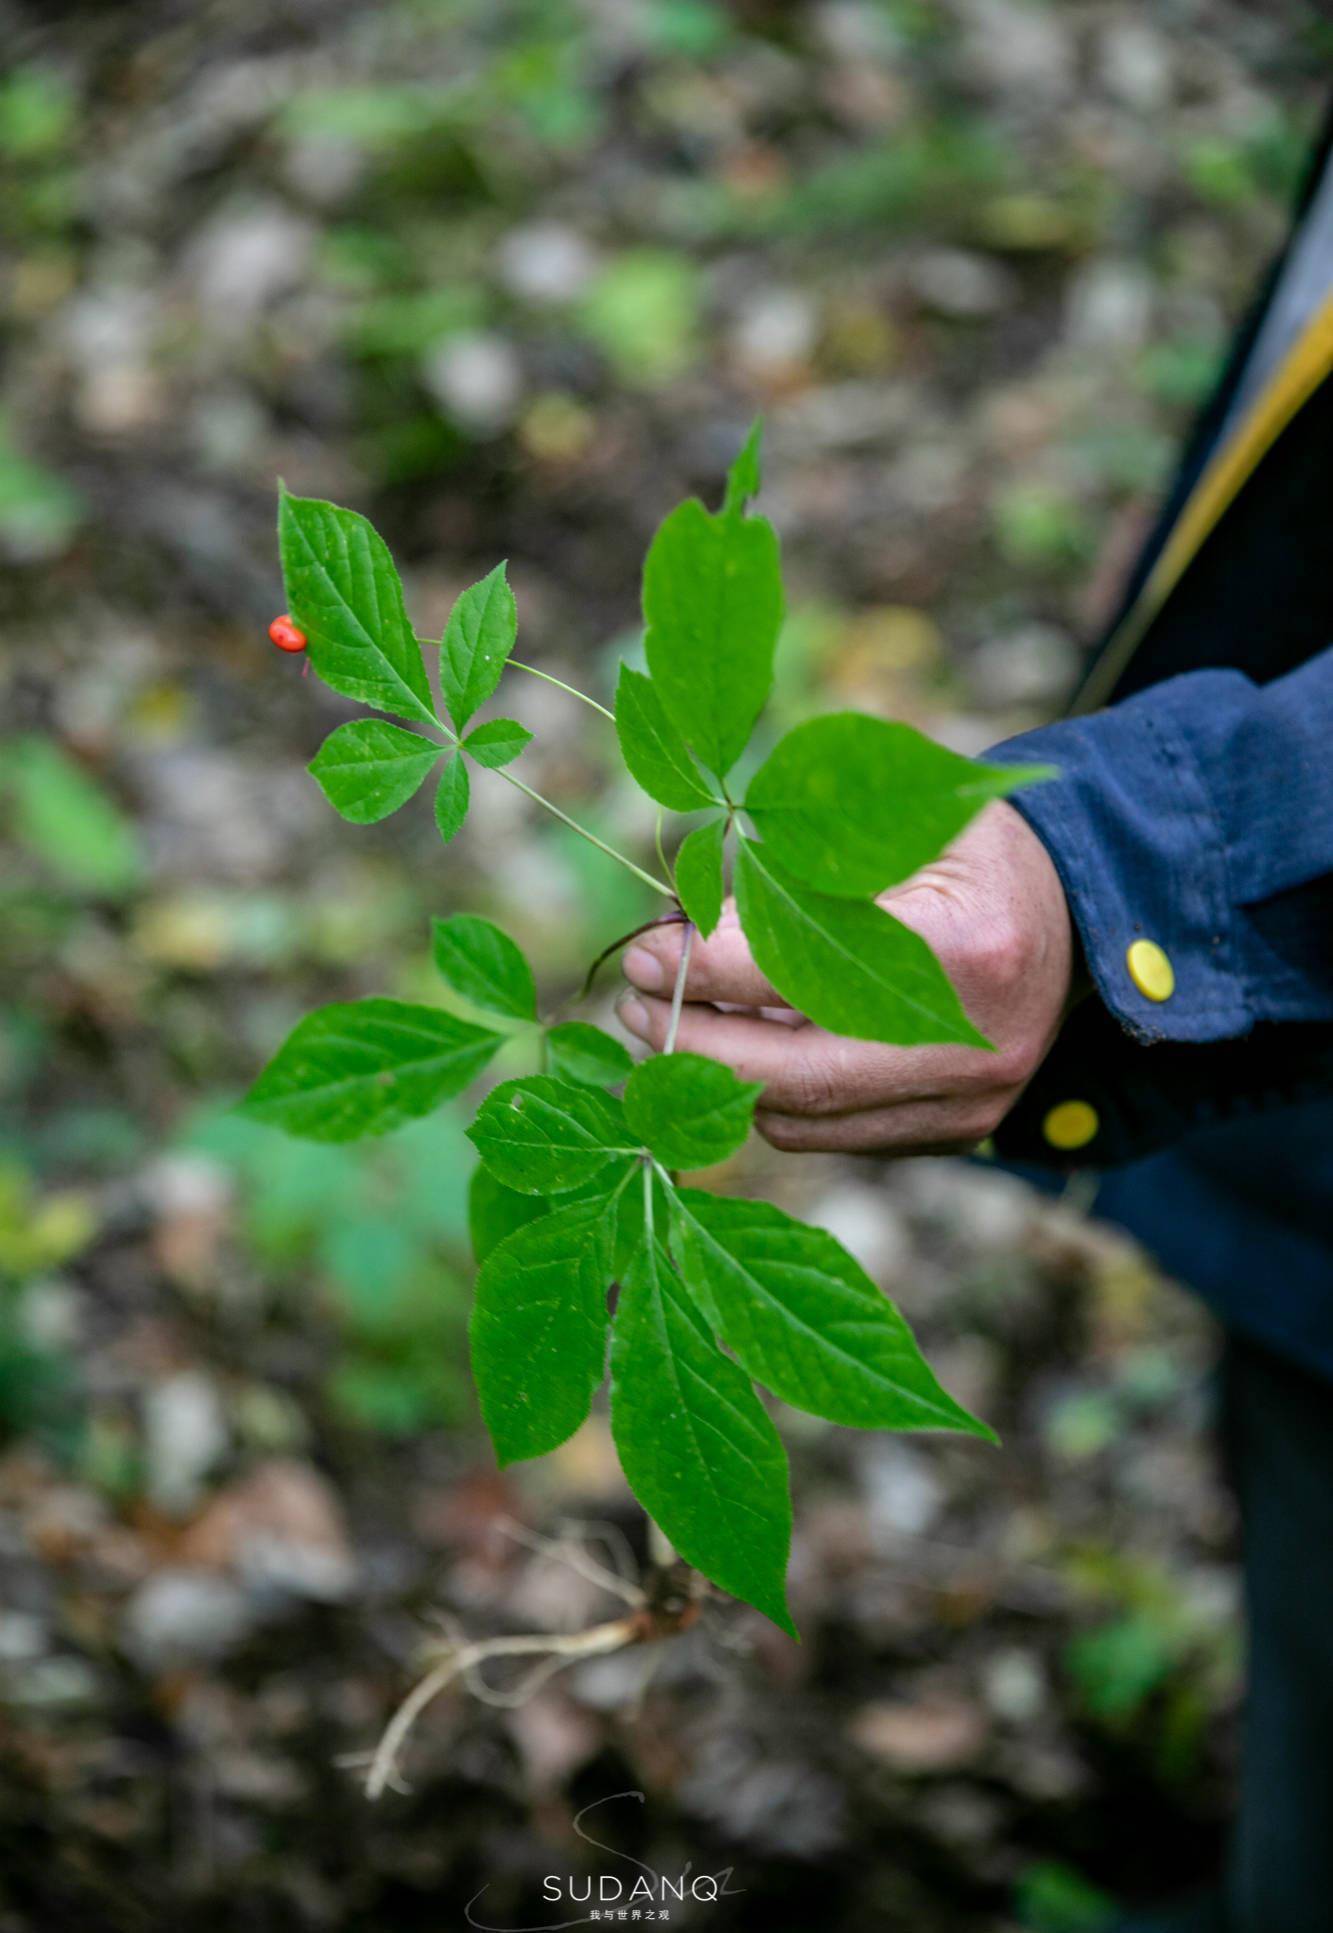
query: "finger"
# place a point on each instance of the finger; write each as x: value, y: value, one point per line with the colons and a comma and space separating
x: 756, y: 1050
x: 720, y: 967
x: 786, y: 1016
x: 917, y: 1127
x: 803, y: 1070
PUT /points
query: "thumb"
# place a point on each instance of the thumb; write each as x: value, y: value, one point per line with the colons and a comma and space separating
x: 721, y: 968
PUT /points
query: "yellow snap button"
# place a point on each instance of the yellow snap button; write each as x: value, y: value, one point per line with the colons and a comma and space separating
x: 1150, y: 970
x: 1071, y: 1125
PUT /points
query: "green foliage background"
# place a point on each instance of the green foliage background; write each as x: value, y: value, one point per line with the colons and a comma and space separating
x: 511, y: 280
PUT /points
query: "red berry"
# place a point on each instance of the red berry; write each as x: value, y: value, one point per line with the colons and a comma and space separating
x: 285, y: 634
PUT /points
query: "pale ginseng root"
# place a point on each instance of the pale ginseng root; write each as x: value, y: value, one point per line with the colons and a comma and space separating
x: 667, y: 1603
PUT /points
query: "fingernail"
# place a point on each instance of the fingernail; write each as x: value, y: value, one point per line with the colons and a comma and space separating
x: 643, y: 968
x: 633, y: 1014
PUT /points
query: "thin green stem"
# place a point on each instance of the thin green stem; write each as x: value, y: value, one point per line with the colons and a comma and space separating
x: 678, y: 992
x: 545, y: 676
x: 560, y: 685
x: 661, y: 855
x: 648, y: 1167
x: 658, y: 885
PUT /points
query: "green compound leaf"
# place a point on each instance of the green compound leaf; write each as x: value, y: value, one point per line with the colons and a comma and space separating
x: 539, y: 1327
x: 452, y: 796
x: 690, y: 1111
x: 657, y: 756
x: 495, y: 1212
x: 853, y: 805
x: 577, y: 1051
x: 632, y: 1218
x: 344, y: 593
x: 845, y: 963
x: 695, y: 1443
x: 743, y: 478
x: 699, y: 881
x: 806, y: 1320
x: 483, y: 966
x: 498, y: 742
x: 712, y: 602
x: 367, y: 769
x: 545, y: 1137
x: 477, y: 640
x: 365, y: 1067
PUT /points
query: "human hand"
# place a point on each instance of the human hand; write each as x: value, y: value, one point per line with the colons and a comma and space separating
x: 992, y: 908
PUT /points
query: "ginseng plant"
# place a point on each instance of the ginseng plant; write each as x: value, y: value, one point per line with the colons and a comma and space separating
x: 591, y: 1252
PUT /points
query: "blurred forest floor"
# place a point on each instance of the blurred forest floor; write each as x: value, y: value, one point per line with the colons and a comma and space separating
x: 512, y: 279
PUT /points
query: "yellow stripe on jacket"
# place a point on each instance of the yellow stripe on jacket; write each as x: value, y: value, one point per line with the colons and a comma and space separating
x: 1305, y: 366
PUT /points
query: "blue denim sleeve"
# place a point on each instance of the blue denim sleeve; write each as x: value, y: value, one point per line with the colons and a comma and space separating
x: 1199, y: 815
